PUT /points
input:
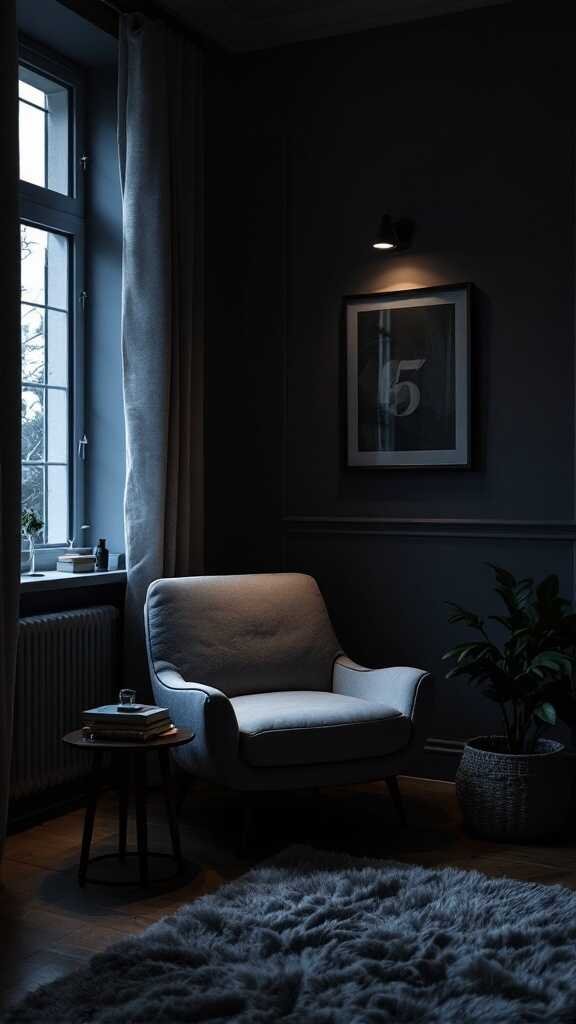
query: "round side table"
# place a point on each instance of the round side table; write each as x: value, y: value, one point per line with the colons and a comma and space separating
x: 130, y: 761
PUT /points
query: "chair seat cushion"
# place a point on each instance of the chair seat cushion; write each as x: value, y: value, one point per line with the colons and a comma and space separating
x: 313, y: 727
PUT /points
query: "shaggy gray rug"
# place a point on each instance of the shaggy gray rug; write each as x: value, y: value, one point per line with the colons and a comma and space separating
x: 316, y: 938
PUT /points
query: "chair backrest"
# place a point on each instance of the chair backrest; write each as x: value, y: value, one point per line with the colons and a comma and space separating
x: 242, y: 634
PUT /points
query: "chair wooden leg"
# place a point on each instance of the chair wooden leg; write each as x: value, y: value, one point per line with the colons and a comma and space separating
x: 184, y: 783
x: 247, y: 820
x: 396, y: 796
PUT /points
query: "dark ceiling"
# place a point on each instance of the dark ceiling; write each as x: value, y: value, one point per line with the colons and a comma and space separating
x: 241, y: 25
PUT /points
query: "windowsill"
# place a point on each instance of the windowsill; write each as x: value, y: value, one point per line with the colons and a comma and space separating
x: 53, y: 580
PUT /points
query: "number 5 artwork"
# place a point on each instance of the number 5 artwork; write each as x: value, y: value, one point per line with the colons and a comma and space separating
x: 408, y: 378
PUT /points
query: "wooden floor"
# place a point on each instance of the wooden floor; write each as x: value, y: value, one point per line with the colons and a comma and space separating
x: 48, y: 926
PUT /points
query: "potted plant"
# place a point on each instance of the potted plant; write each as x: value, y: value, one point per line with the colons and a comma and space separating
x: 31, y: 525
x: 515, y: 785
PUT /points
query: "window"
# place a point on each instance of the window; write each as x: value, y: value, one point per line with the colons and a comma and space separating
x: 44, y: 114
x: 52, y: 295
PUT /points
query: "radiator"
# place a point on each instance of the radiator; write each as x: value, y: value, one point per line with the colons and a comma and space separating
x: 67, y: 661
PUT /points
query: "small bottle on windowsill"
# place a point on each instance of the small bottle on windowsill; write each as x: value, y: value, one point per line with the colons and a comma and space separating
x: 101, y: 553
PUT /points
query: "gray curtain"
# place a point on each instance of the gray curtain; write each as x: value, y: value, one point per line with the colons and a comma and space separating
x: 160, y: 146
x: 10, y: 405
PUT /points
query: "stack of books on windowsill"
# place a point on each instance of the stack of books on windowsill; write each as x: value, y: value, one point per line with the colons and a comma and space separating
x: 114, y: 722
x: 76, y: 563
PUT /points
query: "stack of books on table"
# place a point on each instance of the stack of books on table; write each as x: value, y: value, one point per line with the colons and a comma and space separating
x: 112, y: 722
x: 76, y: 563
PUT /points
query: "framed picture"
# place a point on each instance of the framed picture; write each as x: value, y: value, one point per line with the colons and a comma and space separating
x: 408, y: 378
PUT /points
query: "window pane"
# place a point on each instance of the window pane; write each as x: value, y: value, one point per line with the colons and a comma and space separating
x: 32, y: 131
x: 57, y: 133
x: 44, y: 131
x: 57, y: 270
x: 57, y: 504
x: 33, y: 353
x: 33, y: 493
x: 33, y: 244
x: 32, y: 424
x: 57, y: 425
x: 28, y: 92
x: 57, y: 346
x: 44, y: 267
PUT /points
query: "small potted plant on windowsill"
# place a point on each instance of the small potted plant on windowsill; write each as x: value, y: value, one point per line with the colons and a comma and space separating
x: 517, y: 786
x: 31, y: 527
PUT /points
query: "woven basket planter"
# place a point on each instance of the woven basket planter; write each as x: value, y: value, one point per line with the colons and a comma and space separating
x: 513, y: 796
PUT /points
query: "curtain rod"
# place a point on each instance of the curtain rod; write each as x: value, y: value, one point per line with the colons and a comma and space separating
x: 151, y: 8
x: 112, y: 6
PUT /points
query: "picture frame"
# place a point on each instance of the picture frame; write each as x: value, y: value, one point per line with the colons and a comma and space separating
x: 408, y: 378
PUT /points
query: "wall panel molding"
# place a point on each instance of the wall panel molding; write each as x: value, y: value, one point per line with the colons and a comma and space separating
x: 499, y: 529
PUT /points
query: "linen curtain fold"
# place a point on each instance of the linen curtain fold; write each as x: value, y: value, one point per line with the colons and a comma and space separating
x: 161, y: 159
x: 10, y: 405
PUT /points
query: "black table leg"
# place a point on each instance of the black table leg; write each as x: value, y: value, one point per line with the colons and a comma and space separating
x: 123, y: 768
x: 164, y: 757
x: 93, y: 791
x: 183, y: 785
x: 141, y: 821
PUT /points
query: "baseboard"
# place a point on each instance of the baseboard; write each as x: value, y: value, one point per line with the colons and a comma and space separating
x: 43, y: 806
x: 441, y: 745
x: 426, y: 778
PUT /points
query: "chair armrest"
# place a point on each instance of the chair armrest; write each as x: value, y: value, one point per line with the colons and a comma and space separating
x: 399, y: 687
x: 208, y: 713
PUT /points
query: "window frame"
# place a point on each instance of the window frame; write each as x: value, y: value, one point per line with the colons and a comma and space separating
x: 48, y: 210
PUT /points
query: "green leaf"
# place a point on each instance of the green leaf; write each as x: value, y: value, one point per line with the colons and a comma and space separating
x: 474, y: 651
x: 455, y: 652
x: 472, y: 669
x: 503, y: 621
x: 31, y: 523
x: 481, y: 650
x: 509, y: 599
x: 453, y: 673
x: 519, y: 641
x: 462, y: 615
x: 553, y: 661
x: 548, y: 590
x: 524, y: 593
x: 505, y: 578
x: 546, y: 712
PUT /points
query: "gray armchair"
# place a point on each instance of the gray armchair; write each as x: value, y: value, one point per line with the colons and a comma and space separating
x: 252, y: 665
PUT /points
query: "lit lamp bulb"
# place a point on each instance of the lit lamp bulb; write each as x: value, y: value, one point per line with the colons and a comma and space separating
x: 387, y: 234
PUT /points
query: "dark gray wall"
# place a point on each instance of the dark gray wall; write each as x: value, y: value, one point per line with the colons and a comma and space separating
x: 467, y: 126
x: 65, y: 32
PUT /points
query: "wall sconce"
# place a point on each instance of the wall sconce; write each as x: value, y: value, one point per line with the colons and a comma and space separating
x: 394, y: 234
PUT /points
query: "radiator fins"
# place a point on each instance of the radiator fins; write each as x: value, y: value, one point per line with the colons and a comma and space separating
x: 67, y: 661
